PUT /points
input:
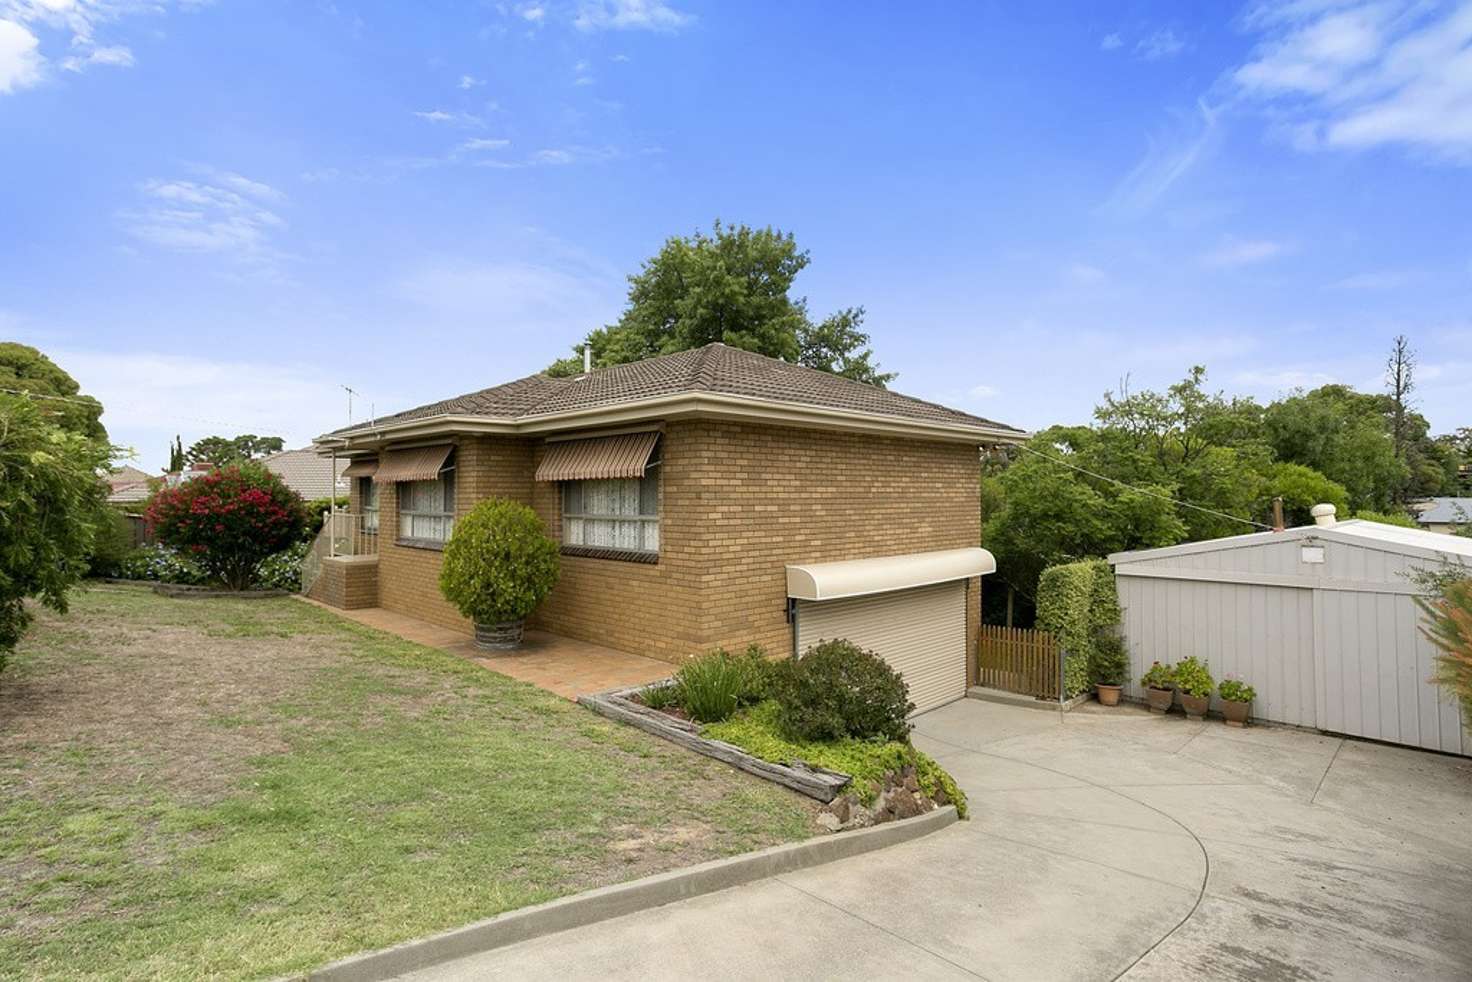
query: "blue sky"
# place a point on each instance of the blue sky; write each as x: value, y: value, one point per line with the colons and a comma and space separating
x: 217, y: 214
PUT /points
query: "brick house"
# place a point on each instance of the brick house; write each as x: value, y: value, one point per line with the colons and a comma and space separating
x: 712, y: 497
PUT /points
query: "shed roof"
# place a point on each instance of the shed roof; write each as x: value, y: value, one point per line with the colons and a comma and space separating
x: 1447, y: 511
x: 1390, y: 538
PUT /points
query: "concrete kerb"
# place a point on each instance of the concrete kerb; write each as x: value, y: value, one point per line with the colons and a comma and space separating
x: 1025, y: 702
x: 608, y: 902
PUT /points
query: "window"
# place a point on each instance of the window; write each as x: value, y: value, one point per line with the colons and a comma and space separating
x: 368, y: 504
x: 620, y: 514
x: 427, y: 508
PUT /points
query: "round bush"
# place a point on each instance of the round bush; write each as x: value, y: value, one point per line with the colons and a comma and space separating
x: 840, y: 690
x: 228, y: 520
x: 499, y: 563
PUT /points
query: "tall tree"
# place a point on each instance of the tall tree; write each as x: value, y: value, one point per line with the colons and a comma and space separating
x: 1400, y: 380
x: 223, y: 451
x: 176, y: 455
x: 24, y: 369
x: 1343, y: 435
x: 732, y: 286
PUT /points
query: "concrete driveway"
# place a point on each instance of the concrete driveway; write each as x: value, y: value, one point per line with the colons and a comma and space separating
x: 1103, y: 844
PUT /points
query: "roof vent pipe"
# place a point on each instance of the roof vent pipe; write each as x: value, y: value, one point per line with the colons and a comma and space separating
x: 587, y: 358
x: 1323, y: 514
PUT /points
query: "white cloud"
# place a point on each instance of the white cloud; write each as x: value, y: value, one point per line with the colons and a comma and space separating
x: 1159, y: 44
x: 221, y: 213
x: 20, y: 58
x: 449, y: 118
x: 629, y: 15
x: 521, y: 296
x: 1167, y: 159
x: 1111, y: 42
x: 534, y: 13
x: 1366, y: 74
x: 1388, y: 279
x: 1083, y: 274
x: 982, y: 392
x: 1236, y: 252
x: 115, y: 56
x: 484, y: 143
x: 469, y: 82
x: 582, y: 73
x: 148, y: 397
x: 1280, y: 381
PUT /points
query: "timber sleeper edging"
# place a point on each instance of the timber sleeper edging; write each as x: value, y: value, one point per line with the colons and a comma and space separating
x: 605, y: 903
x: 815, y: 782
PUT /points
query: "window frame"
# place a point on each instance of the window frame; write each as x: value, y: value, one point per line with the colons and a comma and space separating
x: 368, y: 504
x: 446, y: 477
x: 643, y: 520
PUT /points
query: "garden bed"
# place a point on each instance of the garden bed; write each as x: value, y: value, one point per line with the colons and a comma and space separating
x: 620, y: 704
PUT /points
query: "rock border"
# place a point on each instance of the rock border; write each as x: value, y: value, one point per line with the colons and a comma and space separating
x: 605, y: 903
x: 815, y: 782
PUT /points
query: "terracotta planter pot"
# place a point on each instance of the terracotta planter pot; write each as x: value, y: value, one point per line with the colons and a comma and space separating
x: 1195, y: 706
x: 1236, y: 713
x: 499, y: 637
x: 1159, y: 699
x: 1108, y: 695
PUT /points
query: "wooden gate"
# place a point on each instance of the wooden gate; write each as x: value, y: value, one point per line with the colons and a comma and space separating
x: 1021, y: 660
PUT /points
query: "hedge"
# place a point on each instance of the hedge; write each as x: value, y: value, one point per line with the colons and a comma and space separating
x: 1076, y: 601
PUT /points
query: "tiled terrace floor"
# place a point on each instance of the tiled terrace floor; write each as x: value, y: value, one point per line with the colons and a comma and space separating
x: 565, y: 666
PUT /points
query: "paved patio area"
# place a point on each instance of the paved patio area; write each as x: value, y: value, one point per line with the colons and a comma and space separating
x: 1102, y: 846
x: 565, y: 666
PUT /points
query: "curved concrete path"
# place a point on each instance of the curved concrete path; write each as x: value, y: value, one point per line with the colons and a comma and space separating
x: 1102, y: 845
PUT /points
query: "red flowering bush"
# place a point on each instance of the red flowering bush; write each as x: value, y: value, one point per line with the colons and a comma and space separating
x: 228, y: 520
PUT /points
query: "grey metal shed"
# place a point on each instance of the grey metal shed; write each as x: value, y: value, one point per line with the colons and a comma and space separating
x: 1321, y: 620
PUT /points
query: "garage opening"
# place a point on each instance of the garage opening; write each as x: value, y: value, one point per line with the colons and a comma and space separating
x: 909, y: 609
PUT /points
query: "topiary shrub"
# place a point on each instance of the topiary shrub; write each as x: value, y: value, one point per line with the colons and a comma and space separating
x: 499, y: 563
x: 1076, y: 602
x: 228, y: 520
x: 1110, y: 664
x: 839, y: 690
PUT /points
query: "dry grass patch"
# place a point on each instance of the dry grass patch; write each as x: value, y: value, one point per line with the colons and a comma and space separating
x: 219, y: 788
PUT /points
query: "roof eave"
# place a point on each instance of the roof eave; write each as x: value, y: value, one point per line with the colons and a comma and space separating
x: 704, y: 404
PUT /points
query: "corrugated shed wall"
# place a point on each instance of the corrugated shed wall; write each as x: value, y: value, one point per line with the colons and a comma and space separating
x: 1340, y: 649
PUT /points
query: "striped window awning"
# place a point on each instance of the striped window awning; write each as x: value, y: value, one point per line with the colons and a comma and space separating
x: 418, y: 464
x: 362, y: 467
x: 604, y: 457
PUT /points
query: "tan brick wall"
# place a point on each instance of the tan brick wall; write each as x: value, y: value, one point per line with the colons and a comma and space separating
x: 348, y: 583
x: 737, y: 503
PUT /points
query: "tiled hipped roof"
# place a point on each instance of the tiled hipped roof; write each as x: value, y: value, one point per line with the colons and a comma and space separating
x: 714, y: 368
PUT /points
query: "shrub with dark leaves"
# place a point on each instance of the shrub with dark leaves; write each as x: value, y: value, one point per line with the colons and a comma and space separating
x: 837, y: 690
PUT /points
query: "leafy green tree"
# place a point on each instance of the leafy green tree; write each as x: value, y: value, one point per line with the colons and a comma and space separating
x: 1300, y: 488
x: 24, y: 369
x: 176, y: 455
x: 732, y: 286
x: 1343, y: 435
x: 51, y: 506
x: 224, y: 451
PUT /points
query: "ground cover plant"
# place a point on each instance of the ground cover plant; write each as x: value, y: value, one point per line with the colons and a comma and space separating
x: 248, y: 788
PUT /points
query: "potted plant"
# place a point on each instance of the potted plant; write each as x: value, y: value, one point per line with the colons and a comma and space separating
x: 1195, y: 684
x: 1110, y: 667
x: 1237, y: 698
x: 499, y: 564
x: 1158, y: 681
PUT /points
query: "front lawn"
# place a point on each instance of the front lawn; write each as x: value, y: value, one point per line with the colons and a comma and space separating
x: 226, y: 788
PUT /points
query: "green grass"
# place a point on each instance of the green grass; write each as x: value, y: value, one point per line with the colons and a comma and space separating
x: 755, y: 730
x: 225, y: 789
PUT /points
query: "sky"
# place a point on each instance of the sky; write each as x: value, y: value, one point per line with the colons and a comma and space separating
x: 216, y: 215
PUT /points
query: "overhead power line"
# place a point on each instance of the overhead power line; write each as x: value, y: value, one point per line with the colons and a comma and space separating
x: 1145, y: 491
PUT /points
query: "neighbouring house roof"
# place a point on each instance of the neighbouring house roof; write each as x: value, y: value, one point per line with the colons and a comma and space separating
x: 713, y: 380
x: 125, y: 475
x: 127, y: 484
x: 1446, y: 511
x: 307, y: 474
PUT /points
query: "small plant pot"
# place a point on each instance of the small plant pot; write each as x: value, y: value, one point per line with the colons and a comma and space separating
x: 1159, y: 700
x: 1195, y: 706
x: 1236, y: 713
x: 505, y: 636
x: 1108, y: 695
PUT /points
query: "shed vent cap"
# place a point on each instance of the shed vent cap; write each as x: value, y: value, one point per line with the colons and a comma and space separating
x: 1323, y: 514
